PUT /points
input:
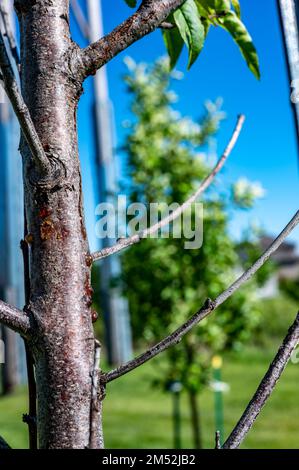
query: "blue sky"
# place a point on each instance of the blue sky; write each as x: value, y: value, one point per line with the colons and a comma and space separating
x: 266, y: 150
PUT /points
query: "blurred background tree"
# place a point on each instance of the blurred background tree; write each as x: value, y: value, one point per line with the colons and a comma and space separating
x: 165, y: 165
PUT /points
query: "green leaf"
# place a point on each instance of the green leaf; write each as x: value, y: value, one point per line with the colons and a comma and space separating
x: 237, y: 8
x: 217, y: 5
x: 203, y: 7
x: 191, y: 29
x: 131, y: 3
x: 221, y: 5
x: 243, y: 39
x: 204, y: 13
x: 174, y: 45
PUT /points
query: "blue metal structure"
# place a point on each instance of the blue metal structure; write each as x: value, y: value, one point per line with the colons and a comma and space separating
x: 115, y: 306
x: 11, y: 233
x: 11, y: 214
x: 289, y: 19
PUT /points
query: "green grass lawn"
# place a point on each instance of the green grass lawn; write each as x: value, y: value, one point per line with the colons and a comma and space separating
x: 136, y: 415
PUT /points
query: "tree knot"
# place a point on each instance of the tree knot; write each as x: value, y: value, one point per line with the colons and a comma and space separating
x: 28, y: 419
x: 209, y: 304
x: 55, y: 177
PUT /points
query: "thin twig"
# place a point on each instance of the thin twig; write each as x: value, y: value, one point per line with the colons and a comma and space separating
x: 259, y: 263
x: 206, y: 309
x: 9, y: 34
x: 95, y: 407
x: 265, y: 388
x: 125, y: 242
x: 32, y: 415
x: 145, y: 20
x: 22, y: 112
x: 14, y: 319
x: 217, y: 440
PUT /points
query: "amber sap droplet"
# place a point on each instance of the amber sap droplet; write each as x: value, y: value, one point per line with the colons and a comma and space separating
x: 44, y: 212
x: 29, y: 239
x: 94, y: 316
x: 47, y: 229
x: 89, y: 260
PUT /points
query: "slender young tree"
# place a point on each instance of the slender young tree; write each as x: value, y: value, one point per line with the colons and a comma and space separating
x: 176, y: 276
x: 57, y: 320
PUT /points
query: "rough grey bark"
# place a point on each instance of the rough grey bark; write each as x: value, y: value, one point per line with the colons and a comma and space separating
x: 62, y: 340
x: 14, y: 318
x: 147, y: 18
x: 60, y: 297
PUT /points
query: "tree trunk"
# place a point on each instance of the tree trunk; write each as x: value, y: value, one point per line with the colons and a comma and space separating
x: 60, y: 297
x: 195, y: 420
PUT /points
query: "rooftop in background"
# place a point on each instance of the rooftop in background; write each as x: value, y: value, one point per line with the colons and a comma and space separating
x: 286, y: 257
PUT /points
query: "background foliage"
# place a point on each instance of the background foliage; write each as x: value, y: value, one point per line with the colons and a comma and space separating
x: 164, y: 282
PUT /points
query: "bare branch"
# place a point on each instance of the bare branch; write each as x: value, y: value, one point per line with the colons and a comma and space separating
x: 207, y: 308
x: 265, y: 388
x: 31, y: 417
x: 125, y: 242
x: 146, y: 19
x: 21, y: 110
x: 171, y: 340
x: 217, y: 440
x: 15, y: 319
x: 3, y: 444
x: 95, y: 408
x: 259, y: 263
x: 9, y: 33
